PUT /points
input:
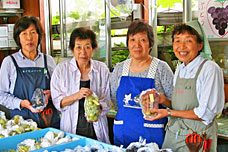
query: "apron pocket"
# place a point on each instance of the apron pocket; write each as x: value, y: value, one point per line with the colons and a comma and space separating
x: 154, y: 132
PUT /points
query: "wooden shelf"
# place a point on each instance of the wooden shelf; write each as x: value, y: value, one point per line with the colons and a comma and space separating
x: 10, y: 12
x: 119, y: 48
x: 8, y: 48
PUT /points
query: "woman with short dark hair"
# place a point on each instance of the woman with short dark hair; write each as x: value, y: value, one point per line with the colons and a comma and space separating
x: 25, y: 71
x: 78, y: 78
x: 131, y: 77
x: 23, y: 24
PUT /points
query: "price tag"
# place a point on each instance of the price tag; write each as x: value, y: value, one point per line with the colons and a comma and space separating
x: 151, y: 97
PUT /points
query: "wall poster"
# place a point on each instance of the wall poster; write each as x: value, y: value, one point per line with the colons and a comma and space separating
x: 213, y: 16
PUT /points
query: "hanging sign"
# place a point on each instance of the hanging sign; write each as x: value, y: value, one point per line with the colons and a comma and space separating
x: 213, y: 16
x: 9, y: 3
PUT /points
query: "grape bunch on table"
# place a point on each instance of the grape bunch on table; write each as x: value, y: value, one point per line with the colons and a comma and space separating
x: 220, y: 18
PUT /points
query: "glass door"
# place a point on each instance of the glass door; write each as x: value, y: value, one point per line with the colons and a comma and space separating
x: 70, y: 14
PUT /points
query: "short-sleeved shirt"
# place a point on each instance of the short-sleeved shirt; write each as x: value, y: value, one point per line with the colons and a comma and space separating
x: 163, y: 79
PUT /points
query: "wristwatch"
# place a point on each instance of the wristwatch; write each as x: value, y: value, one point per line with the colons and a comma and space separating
x: 169, y: 112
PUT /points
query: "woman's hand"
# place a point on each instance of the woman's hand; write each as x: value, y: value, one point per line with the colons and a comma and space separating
x: 165, y: 101
x: 160, y: 113
x: 48, y: 95
x: 26, y: 104
x: 83, y: 93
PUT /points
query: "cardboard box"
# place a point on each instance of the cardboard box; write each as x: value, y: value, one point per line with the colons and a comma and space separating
x: 10, y: 4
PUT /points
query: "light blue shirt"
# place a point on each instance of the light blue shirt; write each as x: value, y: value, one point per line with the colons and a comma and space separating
x: 8, y: 76
x: 209, y: 87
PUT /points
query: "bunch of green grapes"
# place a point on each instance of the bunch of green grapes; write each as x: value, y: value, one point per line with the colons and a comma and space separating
x: 92, y: 108
x: 23, y: 148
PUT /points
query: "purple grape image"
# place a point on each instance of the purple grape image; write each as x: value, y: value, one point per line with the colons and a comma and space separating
x: 219, y: 17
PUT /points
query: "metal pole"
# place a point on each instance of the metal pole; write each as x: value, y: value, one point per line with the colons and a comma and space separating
x: 61, y: 5
x: 64, y: 28
x: 47, y: 22
x: 108, y: 34
x: 153, y: 22
x: 187, y: 11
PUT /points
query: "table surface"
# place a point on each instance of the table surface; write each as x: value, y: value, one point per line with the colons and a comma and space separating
x: 223, y: 127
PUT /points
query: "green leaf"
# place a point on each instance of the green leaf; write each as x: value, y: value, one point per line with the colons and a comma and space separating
x: 55, y: 20
x: 113, y: 32
x: 74, y: 15
x: 220, y: 0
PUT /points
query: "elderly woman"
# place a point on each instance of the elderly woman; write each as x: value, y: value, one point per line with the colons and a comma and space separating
x: 129, y: 79
x: 76, y: 79
x: 22, y: 72
x: 198, y: 93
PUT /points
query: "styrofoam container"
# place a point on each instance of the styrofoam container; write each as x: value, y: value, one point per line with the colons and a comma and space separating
x: 71, y: 145
x: 10, y: 143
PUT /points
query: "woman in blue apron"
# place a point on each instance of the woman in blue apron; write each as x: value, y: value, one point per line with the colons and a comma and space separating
x: 198, y: 94
x: 129, y: 79
x: 23, y: 72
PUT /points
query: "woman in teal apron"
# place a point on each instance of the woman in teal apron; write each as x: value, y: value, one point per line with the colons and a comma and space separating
x: 129, y: 79
x: 198, y: 94
x: 23, y: 72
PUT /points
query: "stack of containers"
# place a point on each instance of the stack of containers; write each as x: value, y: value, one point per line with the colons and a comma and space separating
x: 6, y: 36
x: 9, y: 3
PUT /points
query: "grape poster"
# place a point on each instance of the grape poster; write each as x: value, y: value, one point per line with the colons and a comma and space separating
x: 213, y: 16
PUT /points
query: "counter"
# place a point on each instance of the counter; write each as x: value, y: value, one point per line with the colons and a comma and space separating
x: 223, y: 128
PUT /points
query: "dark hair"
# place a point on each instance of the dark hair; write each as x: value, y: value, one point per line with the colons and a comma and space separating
x: 140, y: 26
x: 22, y: 24
x: 82, y: 33
x: 181, y: 28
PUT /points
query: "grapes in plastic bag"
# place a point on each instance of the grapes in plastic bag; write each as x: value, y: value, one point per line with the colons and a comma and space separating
x: 149, y: 99
x: 92, y: 107
x: 38, y: 99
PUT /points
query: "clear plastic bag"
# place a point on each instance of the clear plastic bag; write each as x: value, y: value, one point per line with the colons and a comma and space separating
x: 142, y: 146
x: 38, y: 99
x: 92, y: 107
x: 149, y: 99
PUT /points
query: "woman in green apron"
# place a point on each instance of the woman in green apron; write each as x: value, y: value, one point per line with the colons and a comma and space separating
x: 198, y: 94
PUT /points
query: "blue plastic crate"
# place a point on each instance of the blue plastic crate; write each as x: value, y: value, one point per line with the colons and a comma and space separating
x: 10, y: 143
x: 71, y: 145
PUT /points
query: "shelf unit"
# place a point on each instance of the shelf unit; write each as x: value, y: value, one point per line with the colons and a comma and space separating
x: 5, y: 14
